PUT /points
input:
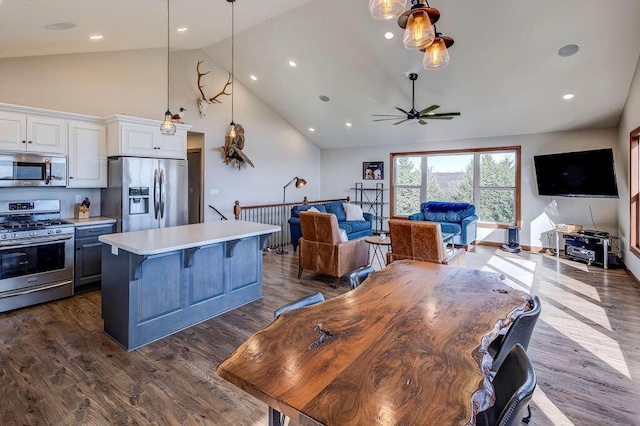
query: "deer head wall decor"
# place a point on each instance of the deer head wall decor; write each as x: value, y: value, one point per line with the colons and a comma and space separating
x: 203, y: 101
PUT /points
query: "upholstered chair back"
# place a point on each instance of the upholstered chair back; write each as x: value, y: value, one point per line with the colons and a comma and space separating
x: 320, y: 227
x: 418, y: 240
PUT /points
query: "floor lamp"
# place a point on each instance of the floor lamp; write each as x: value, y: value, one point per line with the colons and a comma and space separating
x: 299, y: 184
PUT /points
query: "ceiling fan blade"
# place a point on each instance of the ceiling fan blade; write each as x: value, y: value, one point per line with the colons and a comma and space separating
x: 444, y: 114
x: 387, y: 115
x: 447, y: 113
x: 402, y: 121
x: 421, y: 121
x: 429, y: 109
x: 402, y: 111
x: 385, y: 119
x: 449, y: 117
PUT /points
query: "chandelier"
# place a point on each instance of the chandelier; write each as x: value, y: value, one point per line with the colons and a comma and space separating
x: 419, y: 29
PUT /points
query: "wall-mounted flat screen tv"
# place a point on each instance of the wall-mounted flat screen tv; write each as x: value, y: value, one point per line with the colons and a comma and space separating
x: 577, y: 174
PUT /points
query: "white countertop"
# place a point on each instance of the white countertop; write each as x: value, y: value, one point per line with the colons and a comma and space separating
x: 156, y: 241
x: 96, y: 220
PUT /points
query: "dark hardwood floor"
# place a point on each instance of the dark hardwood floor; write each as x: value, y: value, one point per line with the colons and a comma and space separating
x: 58, y: 368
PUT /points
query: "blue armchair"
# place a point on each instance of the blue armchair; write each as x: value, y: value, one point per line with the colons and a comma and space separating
x: 354, y: 229
x: 458, y: 219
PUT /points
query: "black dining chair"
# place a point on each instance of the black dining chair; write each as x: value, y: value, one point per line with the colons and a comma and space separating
x: 514, y: 384
x: 519, y: 332
x: 309, y: 300
x: 356, y: 277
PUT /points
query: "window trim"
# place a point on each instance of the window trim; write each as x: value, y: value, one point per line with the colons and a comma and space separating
x: 518, y: 185
x: 634, y: 192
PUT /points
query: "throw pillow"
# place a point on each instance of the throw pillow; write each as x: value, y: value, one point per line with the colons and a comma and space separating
x: 313, y: 209
x: 354, y: 212
x: 343, y: 236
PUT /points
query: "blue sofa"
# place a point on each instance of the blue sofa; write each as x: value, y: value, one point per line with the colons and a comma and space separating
x: 354, y: 229
x: 458, y: 219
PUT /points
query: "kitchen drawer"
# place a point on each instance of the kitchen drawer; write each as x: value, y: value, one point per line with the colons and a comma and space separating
x: 94, y: 230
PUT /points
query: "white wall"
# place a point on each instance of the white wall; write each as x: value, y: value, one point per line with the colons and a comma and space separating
x: 630, y: 120
x: 134, y: 83
x: 341, y: 168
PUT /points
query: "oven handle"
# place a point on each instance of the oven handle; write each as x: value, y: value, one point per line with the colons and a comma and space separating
x: 33, y: 242
x: 33, y: 289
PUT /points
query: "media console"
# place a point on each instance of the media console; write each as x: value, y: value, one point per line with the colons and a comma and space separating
x: 592, y: 247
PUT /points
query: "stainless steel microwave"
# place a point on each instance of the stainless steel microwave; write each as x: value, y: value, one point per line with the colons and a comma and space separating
x: 32, y: 170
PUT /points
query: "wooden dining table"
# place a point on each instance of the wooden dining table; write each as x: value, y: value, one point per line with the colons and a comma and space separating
x: 408, y: 346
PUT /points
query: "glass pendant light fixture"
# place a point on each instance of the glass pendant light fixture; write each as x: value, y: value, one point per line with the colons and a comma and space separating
x: 436, y: 55
x: 231, y: 130
x: 168, y: 127
x: 417, y: 23
x: 386, y: 9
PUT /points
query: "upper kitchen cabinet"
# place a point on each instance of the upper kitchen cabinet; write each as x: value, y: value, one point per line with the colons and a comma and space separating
x: 141, y: 137
x: 87, y: 155
x: 32, y: 133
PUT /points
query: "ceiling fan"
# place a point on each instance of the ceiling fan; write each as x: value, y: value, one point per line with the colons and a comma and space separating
x: 413, y: 113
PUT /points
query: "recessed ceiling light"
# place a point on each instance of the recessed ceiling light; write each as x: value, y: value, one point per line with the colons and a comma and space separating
x: 96, y: 37
x: 324, y: 98
x: 568, y: 50
x: 253, y: 77
x: 181, y: 29
x: 568, y: 96
x: 292, y: 64
x: 348, y: 124
x: 388, y: 35
x: 59, y: 26
x: 311, y: 129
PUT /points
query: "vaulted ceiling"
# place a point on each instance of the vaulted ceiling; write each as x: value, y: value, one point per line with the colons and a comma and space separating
x: 505, y: 75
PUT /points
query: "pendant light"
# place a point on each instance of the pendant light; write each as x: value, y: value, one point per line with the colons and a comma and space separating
x: 436, y: 55
x: 417, y: 23
x: 386, y: 9
x: 231, y: 130
x: 167, y: 127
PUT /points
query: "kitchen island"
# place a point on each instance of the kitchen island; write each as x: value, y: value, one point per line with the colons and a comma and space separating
x: 160, y: 281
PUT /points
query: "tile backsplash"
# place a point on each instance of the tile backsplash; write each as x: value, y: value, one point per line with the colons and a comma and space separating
x: 67, y: 197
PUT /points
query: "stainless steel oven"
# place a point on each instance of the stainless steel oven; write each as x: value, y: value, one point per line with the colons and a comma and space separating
x: 36, y: 253
x: 18, y: 169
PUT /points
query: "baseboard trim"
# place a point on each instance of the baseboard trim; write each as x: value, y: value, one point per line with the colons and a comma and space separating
x: 534, y: 249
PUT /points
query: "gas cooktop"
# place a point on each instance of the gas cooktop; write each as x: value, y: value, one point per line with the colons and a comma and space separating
x: 28, y: 224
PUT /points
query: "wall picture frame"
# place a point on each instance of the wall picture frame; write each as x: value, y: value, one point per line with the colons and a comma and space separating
x: 373, y: 170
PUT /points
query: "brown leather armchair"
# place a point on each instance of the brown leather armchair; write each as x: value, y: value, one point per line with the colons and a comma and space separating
x: 417, y: 240
x: 321, y: 250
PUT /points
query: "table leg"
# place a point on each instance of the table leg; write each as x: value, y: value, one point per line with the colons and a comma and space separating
x: 378, y: 256
x: 275, y: 418
x: 557, y: 243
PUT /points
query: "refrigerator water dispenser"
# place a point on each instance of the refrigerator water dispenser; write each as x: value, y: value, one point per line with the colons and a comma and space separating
x: 138, y: 200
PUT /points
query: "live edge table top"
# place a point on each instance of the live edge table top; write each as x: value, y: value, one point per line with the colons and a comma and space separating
x: 408, y: 346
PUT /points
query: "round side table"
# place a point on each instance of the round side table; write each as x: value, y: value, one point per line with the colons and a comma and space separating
x: 377, y: 243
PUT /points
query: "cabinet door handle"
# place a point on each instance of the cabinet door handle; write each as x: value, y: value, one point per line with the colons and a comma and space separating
x: 24, y: 141
x: 70, y: 177
x: 30, y: 142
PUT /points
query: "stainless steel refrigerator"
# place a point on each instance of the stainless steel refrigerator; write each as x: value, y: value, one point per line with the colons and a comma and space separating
x: 146, y: 193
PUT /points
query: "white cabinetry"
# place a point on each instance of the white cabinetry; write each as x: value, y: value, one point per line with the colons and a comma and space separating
x: 87, y: 155
x: 140, y: 137
x: 32, y: 133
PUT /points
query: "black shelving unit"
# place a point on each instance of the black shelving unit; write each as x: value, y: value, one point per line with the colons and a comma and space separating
x: 372, y: 200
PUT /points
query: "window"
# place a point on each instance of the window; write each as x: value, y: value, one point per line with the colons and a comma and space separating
x: 634, y: 188
x: 488, y: 178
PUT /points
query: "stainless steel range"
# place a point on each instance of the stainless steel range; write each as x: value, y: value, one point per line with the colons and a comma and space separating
x: 36, y: 253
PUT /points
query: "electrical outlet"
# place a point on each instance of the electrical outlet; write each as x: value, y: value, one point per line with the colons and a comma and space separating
x: 78, y: 198
x: 214, y: 191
